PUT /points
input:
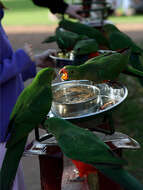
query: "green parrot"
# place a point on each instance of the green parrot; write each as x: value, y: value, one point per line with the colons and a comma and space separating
x: 86, y: 30
x: 82, y: 145
x: 65, y: 40
x: 84, y: 47
x: 119, y: 40
x: 84, y: 50
x: 30, y: 110
x: 101, y: 68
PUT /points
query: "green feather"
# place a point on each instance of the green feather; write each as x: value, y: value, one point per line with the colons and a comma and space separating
x: 119, y: 40
x: 30, y: 110
x: 100, y: 68
x: 81, y: 144
x: 84, y: 47
x: 86, y: 30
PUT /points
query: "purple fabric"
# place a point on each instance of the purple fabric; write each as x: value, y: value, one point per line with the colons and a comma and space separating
x: 14, y: 68
x: 19, y: 180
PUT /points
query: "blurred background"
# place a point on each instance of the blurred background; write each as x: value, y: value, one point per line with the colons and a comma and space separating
x: 25, y: 22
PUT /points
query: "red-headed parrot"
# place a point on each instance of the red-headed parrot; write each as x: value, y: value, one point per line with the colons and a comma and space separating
x: 101, y: 68
x: 81, y: 144
x: 30, y: 110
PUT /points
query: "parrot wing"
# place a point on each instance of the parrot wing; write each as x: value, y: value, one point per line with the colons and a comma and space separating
x: 83, y: 145
x: 83, y: 29
x: 66, y: 40
x: 119, y: 40
x: 80, y: 144
x: 84, y: 47
x: 29, y: 118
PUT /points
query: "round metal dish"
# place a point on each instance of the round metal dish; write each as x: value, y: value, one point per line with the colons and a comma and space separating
x: 74, y: 98
x: 61, y: 62
x: 111, y: 95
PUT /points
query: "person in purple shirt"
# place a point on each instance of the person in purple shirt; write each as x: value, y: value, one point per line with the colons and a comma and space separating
x: 15, y: 68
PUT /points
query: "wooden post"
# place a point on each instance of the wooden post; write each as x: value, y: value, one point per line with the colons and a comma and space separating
x: 51, y: 169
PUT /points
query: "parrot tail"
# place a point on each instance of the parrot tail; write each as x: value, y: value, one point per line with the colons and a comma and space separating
x: 10, y: 165
x: 133, y: 72
x: 122, y: 177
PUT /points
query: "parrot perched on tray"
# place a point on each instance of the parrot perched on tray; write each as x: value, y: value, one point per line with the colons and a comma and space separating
x: 86, y: 30
x: 102, y: 68
x: 30, y: 110
x: 119, y: 40
x: 65, y: 40
x: 84, y: 50
x: 81, y: 144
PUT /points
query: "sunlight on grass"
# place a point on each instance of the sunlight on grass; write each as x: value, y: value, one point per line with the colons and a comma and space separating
x: 127, y: 19
x: 26, y: 18
x: 24, y: 12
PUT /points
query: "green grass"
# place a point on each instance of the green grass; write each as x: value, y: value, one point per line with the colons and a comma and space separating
x: 127, y: 19
x: 24, y: 12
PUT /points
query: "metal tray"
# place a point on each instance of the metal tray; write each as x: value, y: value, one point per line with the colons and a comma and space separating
x: 112, y: 95
x: 116, y: 141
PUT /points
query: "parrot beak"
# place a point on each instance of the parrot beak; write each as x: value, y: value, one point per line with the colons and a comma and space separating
x: 64, y: 73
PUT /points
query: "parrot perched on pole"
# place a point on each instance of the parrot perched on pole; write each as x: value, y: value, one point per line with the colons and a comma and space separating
x: 81, y: 144
x: 102, y: 68
x: 86, y: 30
x: 119, y: 40
x: 65, y: 40
x: 30, y: 110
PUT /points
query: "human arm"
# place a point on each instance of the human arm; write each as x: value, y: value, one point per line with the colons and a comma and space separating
x: 55, y: 6
x: 18, y: 63
x: 59, y: 6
